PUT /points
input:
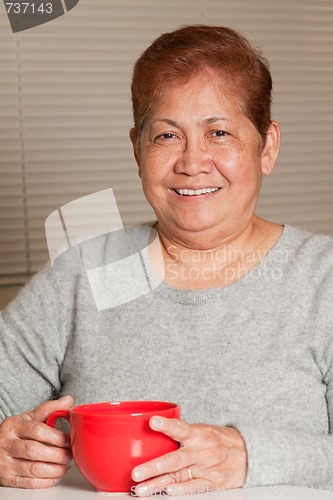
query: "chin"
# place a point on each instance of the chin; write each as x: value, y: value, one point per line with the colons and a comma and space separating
x: 196, y: 224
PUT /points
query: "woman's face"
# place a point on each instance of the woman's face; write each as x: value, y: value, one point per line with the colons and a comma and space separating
x: 200, y: 162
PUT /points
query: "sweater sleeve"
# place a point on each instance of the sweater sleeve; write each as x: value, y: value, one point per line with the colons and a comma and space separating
x: 294, y: 456
x: 290, y: 457
x: 34, y: 329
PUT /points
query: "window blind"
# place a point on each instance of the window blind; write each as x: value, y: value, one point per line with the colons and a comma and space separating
x: 66, y: 111
x: 13, y: 253
x: 297, y: 38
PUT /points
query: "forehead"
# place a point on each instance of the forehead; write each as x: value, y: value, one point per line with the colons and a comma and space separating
x: 206, y: 90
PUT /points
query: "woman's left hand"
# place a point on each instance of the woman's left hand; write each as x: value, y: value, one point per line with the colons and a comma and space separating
x: 209, y: 458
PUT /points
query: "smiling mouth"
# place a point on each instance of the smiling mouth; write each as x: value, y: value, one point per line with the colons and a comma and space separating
x: 195, y: 192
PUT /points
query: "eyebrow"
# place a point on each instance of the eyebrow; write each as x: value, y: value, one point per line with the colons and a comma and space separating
x: 213, y: 119
x: 166, y: 120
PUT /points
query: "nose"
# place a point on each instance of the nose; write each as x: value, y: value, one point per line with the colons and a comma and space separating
x: 194, y: 159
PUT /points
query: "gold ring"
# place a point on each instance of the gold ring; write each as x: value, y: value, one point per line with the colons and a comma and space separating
x: 189, y: 474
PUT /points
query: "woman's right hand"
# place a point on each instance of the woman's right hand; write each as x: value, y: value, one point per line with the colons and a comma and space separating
x: 32, y: 454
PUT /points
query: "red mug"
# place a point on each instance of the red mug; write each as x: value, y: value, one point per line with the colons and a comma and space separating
x: 109, y: 439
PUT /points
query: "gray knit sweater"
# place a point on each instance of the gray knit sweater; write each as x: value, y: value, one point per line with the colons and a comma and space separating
x: 256, y: 355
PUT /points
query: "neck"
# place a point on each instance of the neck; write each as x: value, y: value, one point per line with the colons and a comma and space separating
x: 189, y: 246
x: 203, y: 263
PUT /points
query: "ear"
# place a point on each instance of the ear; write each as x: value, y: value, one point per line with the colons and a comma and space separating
x: 136, y: 150
x: 270, y: 151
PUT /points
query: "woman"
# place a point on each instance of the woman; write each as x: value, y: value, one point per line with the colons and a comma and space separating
x: 240, y: 330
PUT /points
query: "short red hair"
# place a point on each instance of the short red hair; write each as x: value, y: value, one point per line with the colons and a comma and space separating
x: 178, y: 55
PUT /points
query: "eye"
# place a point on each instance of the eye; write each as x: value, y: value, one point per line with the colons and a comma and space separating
x: 220, y: 133
x: 168, y: 137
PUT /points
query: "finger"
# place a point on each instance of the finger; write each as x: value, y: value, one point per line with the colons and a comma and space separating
x: 158, y: 484
x: 42, y: 412
x: 176, y: 429
x: 171, y: 462
x: 34, y: 475
x: 192, y: 487
x: 33, y: 450
x: 37, y: 431
x: 41, y: 470
x: 30, y: 482
x: 168, y: 463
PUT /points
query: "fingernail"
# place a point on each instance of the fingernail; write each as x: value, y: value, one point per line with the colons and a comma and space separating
x: 138, y: 475
x: 142, y: 491
x: 156, y: 422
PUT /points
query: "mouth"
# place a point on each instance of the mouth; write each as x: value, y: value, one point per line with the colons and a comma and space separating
x: 196, y: 192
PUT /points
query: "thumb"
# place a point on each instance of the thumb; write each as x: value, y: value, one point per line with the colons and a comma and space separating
x: 177, y: 429
x: 42, y: 412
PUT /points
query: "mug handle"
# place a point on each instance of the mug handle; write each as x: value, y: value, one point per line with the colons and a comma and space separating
x: 51, y: 419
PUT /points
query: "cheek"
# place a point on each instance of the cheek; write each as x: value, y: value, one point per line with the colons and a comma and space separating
x: 231, y: 165
x: 239, y: 166
x: 155, y: 166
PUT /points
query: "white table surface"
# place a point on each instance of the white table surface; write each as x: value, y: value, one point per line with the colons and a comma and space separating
x: 75, y: 487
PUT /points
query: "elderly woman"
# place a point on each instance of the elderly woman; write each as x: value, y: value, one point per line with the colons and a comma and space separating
x: 240, y: 330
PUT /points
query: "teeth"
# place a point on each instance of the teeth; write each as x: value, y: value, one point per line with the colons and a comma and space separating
x: 196, y: 192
